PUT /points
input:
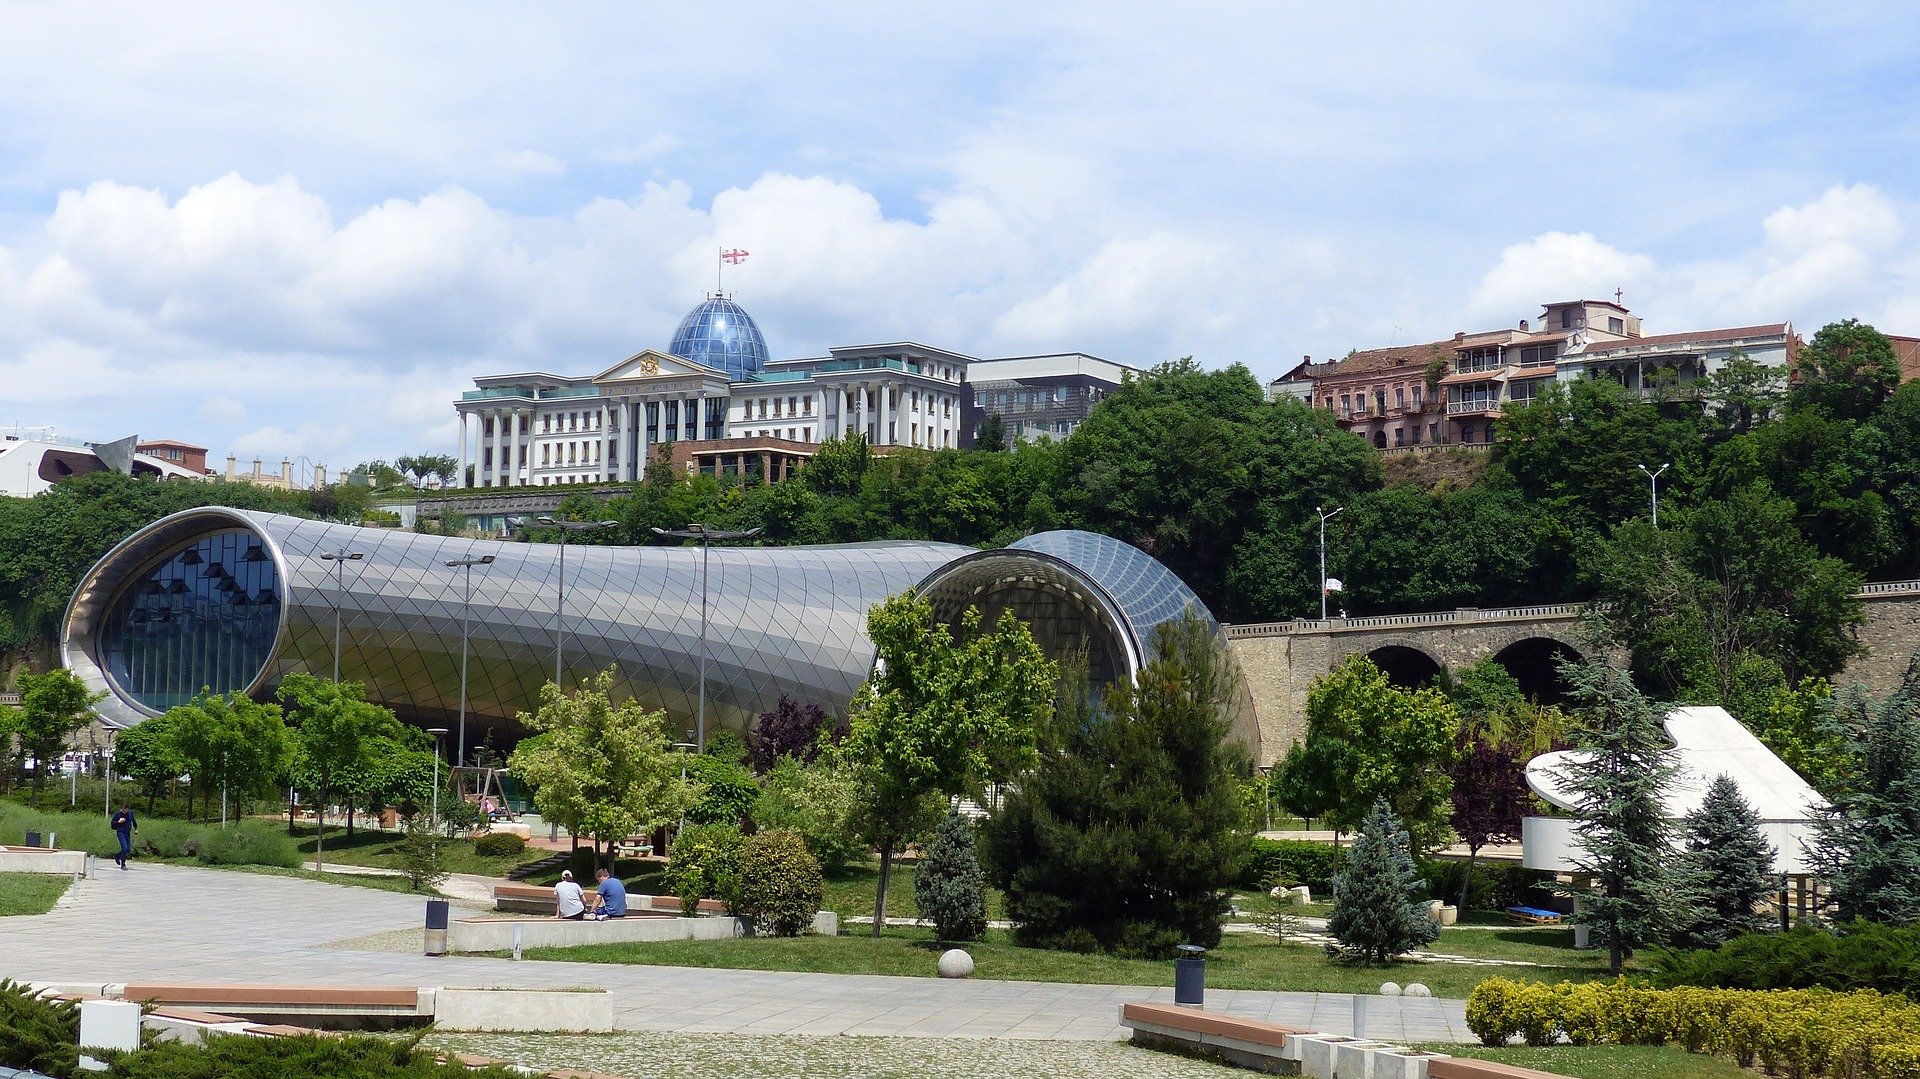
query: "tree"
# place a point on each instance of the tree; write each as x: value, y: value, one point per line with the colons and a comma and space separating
x: 948, y: 886
x: 993, y: 433
x: 791, y: 729
x: 1621, y: 827
x: 600, y: 770
x: 1849, y: 369
x: 228, y: 743
x: 418, y: 469
x: 1728, y: 867
x: 819, y: 802
x: 944, y: 714
x: 1868, y: 842
x: 336, y: 733
x: 1489, y: 800
x: 1744, y: 393
x: 53, y: 708
x: 1379, y: 900
x: 1367, y: 739
x: 1796, y: 722
x: 1126, y: 835
x: 145, y: 753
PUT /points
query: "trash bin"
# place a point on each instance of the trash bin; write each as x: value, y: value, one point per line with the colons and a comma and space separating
x: 33, y: 839
x: 1190, y: 976
x: 436, y: 927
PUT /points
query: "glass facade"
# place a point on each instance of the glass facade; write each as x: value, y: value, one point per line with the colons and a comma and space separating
x: 204, y: 617
x: 720, y: 334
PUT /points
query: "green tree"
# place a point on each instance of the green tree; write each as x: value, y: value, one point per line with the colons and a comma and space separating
x: 600, y: 770
x: 1869, y: 839
x: 54, y: 707
x: 419, y: 469
x: 1727, y: 866
x: 336, y: 733
x: 145, y: 753
x: 948, y: 885
x: 1379, y: 899
x: 947, y: 711
x: 1744, y: 393
x: 1849, y: 369
x: 1369, y: 739
x: 1796, y: 722
x: 993, y: 434
x: 818, y: 801
x: 1621, y: 828
x: 229, y: 743
x: 1126, y: 835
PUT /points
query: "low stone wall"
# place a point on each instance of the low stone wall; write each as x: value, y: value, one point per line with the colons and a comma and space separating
x: 523, y: 1010
x: 66, y: 863
x: 496, y: 934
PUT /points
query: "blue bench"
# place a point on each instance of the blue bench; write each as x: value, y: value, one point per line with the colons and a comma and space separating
x: 1534, y: 915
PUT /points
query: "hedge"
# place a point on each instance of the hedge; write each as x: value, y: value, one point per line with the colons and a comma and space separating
x: 1860, y: 1035
x: 1301, y: 861
x: 1862, y: 955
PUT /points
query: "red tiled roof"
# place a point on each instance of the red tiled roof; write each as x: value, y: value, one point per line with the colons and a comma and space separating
x: 1772, y: 329
x: 1375, y: 360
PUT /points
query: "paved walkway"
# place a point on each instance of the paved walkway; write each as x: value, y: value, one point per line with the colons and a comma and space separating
x: 174, y: 923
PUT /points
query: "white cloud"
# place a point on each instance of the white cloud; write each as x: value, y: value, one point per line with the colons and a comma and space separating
x: 647, y: 149
x: 530, y: 161
x: 1556, y: 266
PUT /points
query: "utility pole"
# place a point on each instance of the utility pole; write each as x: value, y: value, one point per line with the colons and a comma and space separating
x: 339, y: 558
x: 466, y: 611
x: 1324, y: 518
x: 706, y: 536
x: 566, y: 528
x: 1653, y: 486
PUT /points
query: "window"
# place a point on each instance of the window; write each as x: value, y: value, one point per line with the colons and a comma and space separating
x: 1380, y: 401
x: 1616, y: 325
x: 1417, y: 388
x: 1329, y: 402
x: 1346, y: 405
x: 1538, y: 355
x: 1399, y: 397
x: 1399, y: 437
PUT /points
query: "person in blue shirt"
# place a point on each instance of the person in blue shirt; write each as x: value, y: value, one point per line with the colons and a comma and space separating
x: 123, y: 828
x: 613, y: 896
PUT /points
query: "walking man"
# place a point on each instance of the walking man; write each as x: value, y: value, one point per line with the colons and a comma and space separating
x: 124, y: 827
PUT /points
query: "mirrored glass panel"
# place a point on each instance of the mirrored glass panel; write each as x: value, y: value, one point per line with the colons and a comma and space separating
x: 204, y: 617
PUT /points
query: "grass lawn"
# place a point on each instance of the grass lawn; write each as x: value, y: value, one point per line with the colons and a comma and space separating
x: 30, y: 893
x: 1608, y: 1061
x: 369, y: 847
x: 378, y: 884
x: 850, y: 894
x: 1243, y: 961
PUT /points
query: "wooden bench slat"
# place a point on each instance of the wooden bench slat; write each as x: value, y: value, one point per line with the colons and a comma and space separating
x: 272, y: 994
x: 1470, y: 1068
x: 1175, y: 1017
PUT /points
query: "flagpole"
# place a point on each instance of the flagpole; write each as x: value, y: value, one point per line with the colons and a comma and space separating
x: 719, y: 265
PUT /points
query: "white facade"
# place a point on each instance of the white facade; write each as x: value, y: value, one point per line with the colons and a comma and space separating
x: 30, y: 465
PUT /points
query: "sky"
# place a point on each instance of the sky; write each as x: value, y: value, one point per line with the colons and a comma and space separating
x: 300, y: 230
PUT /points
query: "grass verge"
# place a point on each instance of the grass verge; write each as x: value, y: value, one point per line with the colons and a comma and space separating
x: 30, y: 893
x: 352, y: 880
x: 1243, y: 961
x: 1607, y: 1061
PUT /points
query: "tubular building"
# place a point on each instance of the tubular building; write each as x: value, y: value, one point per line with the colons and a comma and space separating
x: 228, y: 600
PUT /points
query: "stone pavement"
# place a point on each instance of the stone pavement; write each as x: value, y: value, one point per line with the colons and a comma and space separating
x: 181, y: 924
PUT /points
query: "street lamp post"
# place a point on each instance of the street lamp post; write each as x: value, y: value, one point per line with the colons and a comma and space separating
x: 560, y: 600
x: 437, y: 733
x: 1653, y: 487
x: 706, y: 536
x: 1324, y: 518
x: 339, y: 558
x: 466, y: 610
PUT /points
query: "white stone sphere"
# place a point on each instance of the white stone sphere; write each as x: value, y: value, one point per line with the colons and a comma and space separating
x: 956, y: 963
x: 1415, y: 989
x: 1389, y: 989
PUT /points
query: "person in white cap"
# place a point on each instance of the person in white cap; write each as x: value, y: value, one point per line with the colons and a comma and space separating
x: 568, y: 902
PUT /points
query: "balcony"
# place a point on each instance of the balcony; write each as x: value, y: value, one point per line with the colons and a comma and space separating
x: 1483, y: 407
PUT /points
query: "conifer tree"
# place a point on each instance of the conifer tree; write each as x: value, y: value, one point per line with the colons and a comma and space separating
x: 1869, y: 840
x: 1379, y: 900
x: 948, y: 886
x: 1728, y: 867
x: 1624, y: 837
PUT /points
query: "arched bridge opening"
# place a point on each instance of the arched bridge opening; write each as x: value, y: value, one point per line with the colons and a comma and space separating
x: 1405, y: 665
x: 1534, y: 662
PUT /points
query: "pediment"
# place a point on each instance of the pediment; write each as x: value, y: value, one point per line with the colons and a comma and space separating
x: 650, y: 364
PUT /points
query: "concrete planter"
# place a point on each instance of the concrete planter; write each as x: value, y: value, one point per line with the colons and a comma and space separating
x: 496, y: 934
x: 65, y: 863
x: 523, y: 1010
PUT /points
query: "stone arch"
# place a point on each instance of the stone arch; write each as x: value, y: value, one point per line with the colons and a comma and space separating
x: 1404, y: 664
x: 1533, y: 660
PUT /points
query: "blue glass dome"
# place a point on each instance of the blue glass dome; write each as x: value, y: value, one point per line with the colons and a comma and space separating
x: 721, y: 335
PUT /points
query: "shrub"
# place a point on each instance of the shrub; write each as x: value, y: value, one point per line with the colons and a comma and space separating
x: 1379, y: 908
x: 727, y: 791
x: 780, y: 884
x: 948, y: 886
x: 705, y: 864
x: 1298, y: 860
x: 37, y: 1034
x: 818, y: 801
x: 1863, y: 955
x: 499, y: 845
x: 248, y: 843
x: 420, y: 855
x: 348, y: 1057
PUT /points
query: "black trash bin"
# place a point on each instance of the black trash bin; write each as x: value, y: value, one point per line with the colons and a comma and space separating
x: 33, y: 839
x: 436, y: 927
x: 1190, y: 976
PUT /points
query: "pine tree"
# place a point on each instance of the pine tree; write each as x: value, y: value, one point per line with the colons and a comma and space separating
x: 1125, y: 836
x: 1728, y: 867
x: 1379, y: 900
x: 1869, y: 841
x: 949, y: 886
x: 1621, y: 829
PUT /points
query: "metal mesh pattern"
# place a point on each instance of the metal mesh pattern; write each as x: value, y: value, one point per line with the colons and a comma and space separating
x: 205, y: 617
x: 781, y: 620
x: 720, y: 334
x: 1147, y: 592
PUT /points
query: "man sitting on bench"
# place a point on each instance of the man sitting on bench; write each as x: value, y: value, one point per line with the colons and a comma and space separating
x: 568, y: 903
x: 610, y: 896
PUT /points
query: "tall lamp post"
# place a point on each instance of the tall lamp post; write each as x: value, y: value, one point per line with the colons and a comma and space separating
x: 706, y: 536
x: 1653, y: 488
x: 1324, y: 518
x: 437, y: 733
x: 560, y: 600
x: 466, y: 610
x: 339, y: 558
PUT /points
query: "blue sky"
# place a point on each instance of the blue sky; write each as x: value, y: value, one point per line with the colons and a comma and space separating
x: 297, y: 231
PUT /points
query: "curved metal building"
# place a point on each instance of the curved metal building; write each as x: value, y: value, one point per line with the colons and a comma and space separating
x: 226, y: 600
